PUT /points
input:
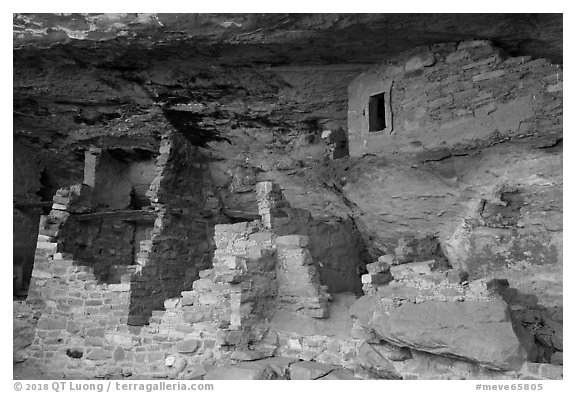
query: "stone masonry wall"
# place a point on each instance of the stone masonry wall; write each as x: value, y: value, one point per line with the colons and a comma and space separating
x: 230, y: 306
x: 299, y: 287
x: 101, y: 243
x: 335, y: 247
x: 85, y: 327
x: 108, y: 186
x: 450, y: 96
x: 181, y: 242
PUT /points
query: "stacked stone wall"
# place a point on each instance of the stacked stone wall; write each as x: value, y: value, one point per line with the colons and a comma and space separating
x: 452, y: 96
x: 230, y: 306
x: 100, y: 243
x: 299, y: 287
x: 335, y: 247
x: 181, y: 241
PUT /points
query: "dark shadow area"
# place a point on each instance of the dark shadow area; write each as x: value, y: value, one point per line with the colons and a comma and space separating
x: 539, y: 328
x: 187, y: 124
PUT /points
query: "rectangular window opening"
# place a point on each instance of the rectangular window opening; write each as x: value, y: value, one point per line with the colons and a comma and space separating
x: 377, y: 113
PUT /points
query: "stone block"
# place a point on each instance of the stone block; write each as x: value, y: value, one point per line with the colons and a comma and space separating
x: 119, y: 339
x: 234, y: 262
x: 41, y: 274
x: 125, y: 287
x: 187, y: 346
x: 51, y: 324
x: 119, y: 354
x: 58, y: 206
x: 205, y: 273
x: 557, y: 358
x: 292, y: 240
x: 378, y: 267
x: 171, y: 303
x: 209, y: 298
x: 47, y: 246
x: 154, y: 357
x: 386, y: 259
x: 60, y: 199
x: 95, y: 332
x: 202, y: 284
x: 413, y: 269
x: 196, y: 316
x: 99, y: 354
x: 376, y: 278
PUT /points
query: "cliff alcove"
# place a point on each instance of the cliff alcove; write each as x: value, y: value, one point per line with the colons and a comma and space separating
x: 288, y: 196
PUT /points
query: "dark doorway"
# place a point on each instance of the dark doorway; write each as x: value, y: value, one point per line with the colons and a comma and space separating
x: 376, y: 113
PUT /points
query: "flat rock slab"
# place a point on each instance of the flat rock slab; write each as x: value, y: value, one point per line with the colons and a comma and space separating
x: 241, y: 371
x: 480, y: 331
x: 340, y: 374
x: 309, y: 370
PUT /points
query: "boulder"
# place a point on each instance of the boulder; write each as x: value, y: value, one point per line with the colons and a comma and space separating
x: 187, y: 346
x: 480, y: 331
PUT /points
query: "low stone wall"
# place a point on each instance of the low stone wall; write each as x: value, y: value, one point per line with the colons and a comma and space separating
x: 299, y: 287
x: 335, y: 246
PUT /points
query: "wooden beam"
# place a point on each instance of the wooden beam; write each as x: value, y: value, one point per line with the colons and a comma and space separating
x: 240, y: 214
x: 126, y: 215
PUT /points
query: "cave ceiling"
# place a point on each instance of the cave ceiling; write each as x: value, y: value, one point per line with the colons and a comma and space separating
x: 82, y: 79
